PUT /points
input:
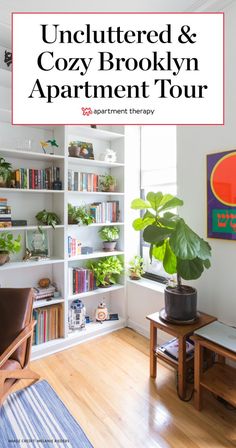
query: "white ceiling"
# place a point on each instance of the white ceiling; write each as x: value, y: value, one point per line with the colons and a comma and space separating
x: 8, y: 6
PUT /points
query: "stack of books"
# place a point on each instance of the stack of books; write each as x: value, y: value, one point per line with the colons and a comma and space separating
x: 170, y: 349
x: 81, y: 280
x: 44, y: 293
x: 82, y: 181
x: 5, y: 213
x: 48, y: 324
x: 35, y: 179
x: 105, y: 212
x: 74, y: 247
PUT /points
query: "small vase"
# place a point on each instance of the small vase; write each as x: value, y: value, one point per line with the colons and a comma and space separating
x: 4, y: 258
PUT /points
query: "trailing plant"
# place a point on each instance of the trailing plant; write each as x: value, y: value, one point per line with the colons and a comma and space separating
x: 48, y: 218
x: 5, y: 169
x: 8, y: 244
x: 107, y: 181
x: 79, y: 215
x: 110, y: 233
x: 106, y: 270
x: 135, y: 267
x: 172, y: 241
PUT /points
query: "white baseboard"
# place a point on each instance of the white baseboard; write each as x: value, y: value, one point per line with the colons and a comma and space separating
x: 144, y: 332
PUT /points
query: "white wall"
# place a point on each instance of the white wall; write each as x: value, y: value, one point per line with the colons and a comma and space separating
x: 216, y: 288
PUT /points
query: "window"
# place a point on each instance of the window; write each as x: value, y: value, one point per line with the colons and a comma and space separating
x: 158, y: 173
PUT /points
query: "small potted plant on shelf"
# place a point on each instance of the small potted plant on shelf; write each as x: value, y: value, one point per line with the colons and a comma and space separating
x: 8, y: 245
x: 48, y: 218
x: 79, y: 215
x: 5, y: 172
x: 106, y: 271
x: 74, y: 149
x: 107, y: 183
x: 109, y: 236
x: 178, y: 247
x: 135, y: 268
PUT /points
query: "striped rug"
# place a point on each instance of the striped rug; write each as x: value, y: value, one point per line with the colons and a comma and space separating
x: 35, y: 417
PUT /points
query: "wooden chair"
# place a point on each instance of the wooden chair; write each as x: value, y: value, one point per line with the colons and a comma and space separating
x: 16, y: 332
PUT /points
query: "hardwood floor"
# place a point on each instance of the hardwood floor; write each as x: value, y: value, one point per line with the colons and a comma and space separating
x: 105, y: 384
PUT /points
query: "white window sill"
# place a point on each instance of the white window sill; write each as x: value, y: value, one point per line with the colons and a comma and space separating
x: 150, y: 284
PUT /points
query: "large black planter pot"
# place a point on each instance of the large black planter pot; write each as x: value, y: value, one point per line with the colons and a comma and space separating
x: 181, y: 303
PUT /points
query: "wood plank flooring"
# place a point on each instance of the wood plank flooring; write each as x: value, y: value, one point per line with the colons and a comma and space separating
x: 105, y: 384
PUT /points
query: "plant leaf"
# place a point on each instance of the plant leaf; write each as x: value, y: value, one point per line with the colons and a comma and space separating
x: 207, y: 263
x: 153, y: 234
x: 169, y: 202
x: 205, y: 250
x: 190, y: 269
x: 140, y: 204
x: 169, y: 261
x: 184, y: 242
x: 154, y: 199
x: 158, y: 252
x: 141, y: 223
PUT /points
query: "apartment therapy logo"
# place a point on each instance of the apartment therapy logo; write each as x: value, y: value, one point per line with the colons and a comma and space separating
x: 102, y: 65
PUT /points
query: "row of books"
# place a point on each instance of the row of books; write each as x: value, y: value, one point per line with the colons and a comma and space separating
x: 40, y: 179
x: 5, y: 213
x: 74, y: 247
x: 81, y: 280
x: 48, y: 324
x: 43, y: 293
x: 82, y: 181
x: 104, y: 212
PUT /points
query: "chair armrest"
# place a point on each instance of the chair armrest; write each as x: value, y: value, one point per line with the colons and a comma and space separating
x: 22, y: 337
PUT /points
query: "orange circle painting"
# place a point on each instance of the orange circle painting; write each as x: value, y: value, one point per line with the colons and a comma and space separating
x: 223, y: 180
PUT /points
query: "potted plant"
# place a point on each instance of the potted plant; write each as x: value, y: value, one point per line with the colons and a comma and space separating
x: 8, y: 245
x: 79, y: 215
x: 5, y: 172
x: 107, y: 182
x: 74, y: 149
x: 180, y: 249
x: 48, y: 218
x: 106, y: 271
x: 135, y: 268
x: 109, y: 236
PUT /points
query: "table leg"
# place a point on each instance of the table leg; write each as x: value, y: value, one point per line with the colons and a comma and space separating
x: 182, y: 367
x: 153, y: 343
x: 197, y: 375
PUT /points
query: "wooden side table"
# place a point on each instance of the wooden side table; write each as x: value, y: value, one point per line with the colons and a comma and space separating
x: 182, y: 332
x: 219, y: 378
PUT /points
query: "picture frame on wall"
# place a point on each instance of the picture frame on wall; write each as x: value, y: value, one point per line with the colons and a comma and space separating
x: 37, y: 243
x: 85, y: 150
x: 221, y: 195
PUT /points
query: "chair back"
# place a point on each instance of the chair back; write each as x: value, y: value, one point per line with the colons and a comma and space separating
x: 16, y: 306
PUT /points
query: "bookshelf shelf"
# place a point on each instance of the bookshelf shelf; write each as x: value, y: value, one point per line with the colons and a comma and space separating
x: 20, y: 228
x: 96, y: 193
x: 86, y: 131
x: 42, y: 303
x: 96, y: 327
x: 96, y: 292
x: 96, y: 224
x: 96, y: 254
x: 28, y: 190
x: 93, y: 163
x: 30, y: 264
x: 17, y: 153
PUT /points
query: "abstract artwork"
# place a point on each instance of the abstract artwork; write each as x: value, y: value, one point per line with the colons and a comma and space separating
x: 221, y: 195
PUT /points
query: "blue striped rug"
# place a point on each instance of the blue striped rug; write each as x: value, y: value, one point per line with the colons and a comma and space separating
x: 35, y: 417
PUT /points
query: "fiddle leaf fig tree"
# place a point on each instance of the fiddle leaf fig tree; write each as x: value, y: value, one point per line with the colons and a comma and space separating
x: 172, y: 242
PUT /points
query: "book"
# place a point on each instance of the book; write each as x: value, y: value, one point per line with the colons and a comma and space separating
x: 171, y: 348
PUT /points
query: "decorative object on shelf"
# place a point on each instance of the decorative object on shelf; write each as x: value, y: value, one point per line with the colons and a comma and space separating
x: 179, y: 248
x: 101, y: 312
x: 106, y: 271
x: 44, y: 282
x: 5, y: 214
x: 19, y: 222
x: 8, y: 245
x: 85, y: 250
x: 45, y: 290
x: 76, y: 315
x: 113, y: 316
x: 47, y: 219
x: 5, y: 172
x: 221, y: 194
x: 5, y: 58
x: 109, y: 156
x: 87, y: 319
x: 107, y: 182
x: 79, y: 215
x: 93, y: 126
x: 37, y: 243
x: 44, y: 145
x: 82, y: 150
x: 109, y: 235
x: 53, y: 144
x: 135, y: 268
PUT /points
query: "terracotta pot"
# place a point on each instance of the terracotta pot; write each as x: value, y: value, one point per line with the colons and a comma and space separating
x: 109, y: 246
x: 134, y: 277
x: 4, y: 258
